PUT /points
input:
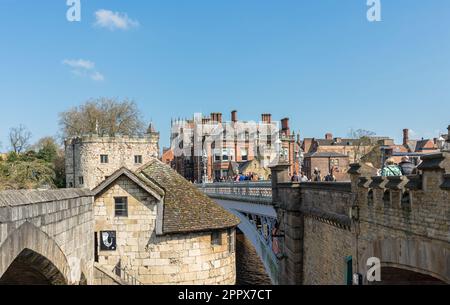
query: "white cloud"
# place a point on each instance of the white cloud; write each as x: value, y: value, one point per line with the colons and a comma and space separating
x: 97, y: 76
x: 114, y: 20
x: 79, y: 64
x: 84, y: 68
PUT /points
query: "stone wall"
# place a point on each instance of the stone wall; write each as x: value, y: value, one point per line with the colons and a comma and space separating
x: 153, y: 259
x: 55, y: 225
x: 405, y: 221
x: 326, y: 248
x: 83, y: 157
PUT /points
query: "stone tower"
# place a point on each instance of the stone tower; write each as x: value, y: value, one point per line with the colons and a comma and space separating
x: 91, y: 159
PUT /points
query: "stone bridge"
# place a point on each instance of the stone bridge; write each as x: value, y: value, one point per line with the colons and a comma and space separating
x: 252, y: 203
x: 326, y: 232
x: 46, y: 237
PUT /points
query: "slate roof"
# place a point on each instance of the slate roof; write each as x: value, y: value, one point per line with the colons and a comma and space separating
x: 186, y: 208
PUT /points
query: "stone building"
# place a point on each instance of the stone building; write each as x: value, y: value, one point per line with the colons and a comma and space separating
x: 204, y: 146
x: 91, y: 159
x: 156, y: 227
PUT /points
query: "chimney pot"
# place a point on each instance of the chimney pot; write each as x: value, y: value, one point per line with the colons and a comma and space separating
x: 234, y: 116
x: 405, y: 136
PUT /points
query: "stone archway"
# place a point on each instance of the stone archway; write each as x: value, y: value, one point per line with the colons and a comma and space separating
x: 31, y: 251
x: 401, y: 275
x: 31, y: 268
x: 415, y: 260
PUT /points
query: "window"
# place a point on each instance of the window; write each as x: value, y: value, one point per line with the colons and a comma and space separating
x: 244, y: 154
x: 70, y: 184
x: 216, y: 238
x: 138, y: 159
x: 217, y: 157
x: 104, y: 159
x: 224, y: 155
x: 231, y: 241
x: 80, y: 180
x: 121, y: 206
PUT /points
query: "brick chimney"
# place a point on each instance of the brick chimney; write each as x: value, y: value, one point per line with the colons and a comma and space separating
x: 266, y: 118
x: 285, y: 126
x: 234, y: 116
x: 405, y: 137
x: 216, y: 117
x: 329, y: 136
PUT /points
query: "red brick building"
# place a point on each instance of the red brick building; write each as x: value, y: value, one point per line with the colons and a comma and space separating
x: 205, y: 145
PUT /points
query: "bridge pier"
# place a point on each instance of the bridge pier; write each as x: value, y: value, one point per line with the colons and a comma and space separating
x: 285, y: 196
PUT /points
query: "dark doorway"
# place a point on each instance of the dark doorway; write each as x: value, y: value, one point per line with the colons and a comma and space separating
x: 31, y: 268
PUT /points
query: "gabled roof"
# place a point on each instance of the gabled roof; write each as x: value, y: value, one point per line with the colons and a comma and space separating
x: 147, y: 186
x: 186, y: 208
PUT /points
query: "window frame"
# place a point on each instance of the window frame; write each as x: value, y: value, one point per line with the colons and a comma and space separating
x: 104, y: 158
x: 216, y: 239
x: 124, y: 208
x: 138, y: 159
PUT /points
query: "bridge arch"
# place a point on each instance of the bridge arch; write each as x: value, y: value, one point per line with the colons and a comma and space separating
x: 423, y: 260
x: 32, y: 251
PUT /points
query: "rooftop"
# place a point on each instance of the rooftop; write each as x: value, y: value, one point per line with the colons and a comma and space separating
x: 186, y: 209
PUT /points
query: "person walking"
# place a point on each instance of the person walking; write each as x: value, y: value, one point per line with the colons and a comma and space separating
x: 317, y: 177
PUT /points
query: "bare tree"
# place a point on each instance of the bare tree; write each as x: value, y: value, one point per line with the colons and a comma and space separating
x: 19, y: 138
x: 364, y: 143
x: 103, y: 116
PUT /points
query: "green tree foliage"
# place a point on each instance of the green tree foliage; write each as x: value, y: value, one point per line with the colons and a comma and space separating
x: 40, y: 167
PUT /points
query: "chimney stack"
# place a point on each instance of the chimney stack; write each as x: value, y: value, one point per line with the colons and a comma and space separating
x: 234, y: 116
x: 405, y: 137
x: 329, y: 136
x: 266, y: 118
x: 285, y: 126
x: 216, y: 117
x: 448, y: 136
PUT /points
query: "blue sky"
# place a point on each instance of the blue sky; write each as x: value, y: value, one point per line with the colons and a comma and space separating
x: 319, y: 62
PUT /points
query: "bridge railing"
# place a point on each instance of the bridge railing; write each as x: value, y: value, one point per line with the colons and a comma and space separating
x: 255, y: 192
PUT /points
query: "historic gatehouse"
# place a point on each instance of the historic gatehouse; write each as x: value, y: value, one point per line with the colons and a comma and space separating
x: 91, y: 159
x: 154, y: 227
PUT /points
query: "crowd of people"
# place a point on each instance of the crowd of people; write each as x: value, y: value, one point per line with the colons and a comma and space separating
x: 404, y: 168
x: 240, y: 178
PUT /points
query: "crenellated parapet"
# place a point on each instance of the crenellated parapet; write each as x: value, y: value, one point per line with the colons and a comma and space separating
x: 418, y: 204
